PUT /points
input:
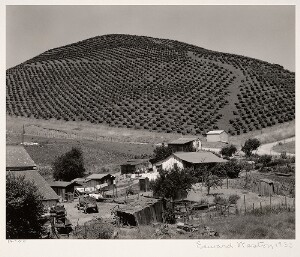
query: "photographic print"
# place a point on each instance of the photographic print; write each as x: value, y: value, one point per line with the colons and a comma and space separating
x: 150, y: 122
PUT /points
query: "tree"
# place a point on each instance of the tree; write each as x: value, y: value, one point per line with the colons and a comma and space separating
x: 69, y: 166
x: 172, y: 183
x: 161, y: 153
x: 230, y: 169
x: 250, y: 145
x: 212, y: 181
x: 24, y: 208
x: 228, y: 150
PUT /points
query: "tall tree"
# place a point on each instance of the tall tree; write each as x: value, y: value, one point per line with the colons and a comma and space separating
x: 69, y: 166
x: 23, y: 209
x: 162, y: 152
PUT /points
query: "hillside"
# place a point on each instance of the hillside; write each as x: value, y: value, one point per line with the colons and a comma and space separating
x: 153, y: 84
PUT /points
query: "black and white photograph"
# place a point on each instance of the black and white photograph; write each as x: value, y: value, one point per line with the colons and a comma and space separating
x: 150, y: 122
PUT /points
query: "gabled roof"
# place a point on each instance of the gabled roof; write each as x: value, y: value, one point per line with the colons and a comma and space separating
x: 215, y: 132
x: 98, y: 176
x: 17, y: 157
x: 199, y: 157
x: 182, y: 141
x: 63, y: 183
x: 43, y: 187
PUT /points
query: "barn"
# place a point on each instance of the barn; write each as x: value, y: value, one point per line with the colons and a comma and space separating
x: 136, y: 166
x: 185, y: 144
x: 65, y: 190
x: 217, y: 136
x: 188, y: 160
x: 50, y: 198
x: 17, y: 158
x: 19, y: 163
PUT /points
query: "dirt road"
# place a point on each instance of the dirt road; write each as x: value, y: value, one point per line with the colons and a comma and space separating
x: 267, y: 148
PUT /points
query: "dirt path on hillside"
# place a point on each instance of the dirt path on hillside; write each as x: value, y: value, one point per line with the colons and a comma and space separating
x: 233, y: 89
x: 267, y: 148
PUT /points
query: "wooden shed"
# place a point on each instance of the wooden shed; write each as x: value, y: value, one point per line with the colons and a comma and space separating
x: 185, y: 144
x: 265, y: 187
x: 64, y: 189
x: 97, y: 179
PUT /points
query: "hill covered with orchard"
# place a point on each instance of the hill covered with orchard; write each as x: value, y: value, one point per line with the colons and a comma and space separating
x: 153, y: 84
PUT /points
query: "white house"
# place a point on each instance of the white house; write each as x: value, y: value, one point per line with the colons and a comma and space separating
x: 188, y: 160
x: 217, y: 136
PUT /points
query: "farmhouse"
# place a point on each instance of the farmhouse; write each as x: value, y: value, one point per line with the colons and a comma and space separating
x: 217, y: 136
x: 185, y: 144
x: 136, y: 166
x: 17, y: 158
x: 19, y: 163
x: 98, y: 179
x: 64, y: 189
x: 188, y: 160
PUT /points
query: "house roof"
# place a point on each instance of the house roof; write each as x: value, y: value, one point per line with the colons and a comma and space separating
x: 43, y: 187
x: 135, y: 161
x: 17, y: 157
x: 98, y: 176
x: 63, y: 183
x: 182, y: 141
x: 199, y: 157
x: 215, y: 132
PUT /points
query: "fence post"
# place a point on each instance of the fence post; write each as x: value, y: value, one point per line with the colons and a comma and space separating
x: 285, y: 202
x: 253, y: 207
x: 245, y: 203
x: 260, y: 207
x: 270, y: 201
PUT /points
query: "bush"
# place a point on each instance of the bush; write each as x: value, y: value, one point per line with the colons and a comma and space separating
x: 23, y: 209
x: 228, y: 150
x: 220, y: 200
x: 233, y: 198
x: 94, y: 229
x: 265, y: 159
x: 250, y: 145
x: 69, y: 166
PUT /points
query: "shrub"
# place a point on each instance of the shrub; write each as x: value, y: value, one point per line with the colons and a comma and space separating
x: 94, y: 229
x: 265, y: 159
x: 228, y: 150
x: 220, y: 200
x: 233, y: 198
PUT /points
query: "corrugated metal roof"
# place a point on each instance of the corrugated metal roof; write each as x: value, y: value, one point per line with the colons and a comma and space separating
x: 215, y: 132
x: 199, y: 157
x: 182, y: 141
x: 43, y: 187
x: 61, y: 183
x: 17, y: 156
x: 135, y: 161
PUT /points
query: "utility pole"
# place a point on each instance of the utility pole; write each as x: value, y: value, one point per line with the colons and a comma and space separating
x: 23, y: 133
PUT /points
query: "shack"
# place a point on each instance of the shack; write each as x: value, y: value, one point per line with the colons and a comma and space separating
x: 265, y: 187
x: 136, y: 166
x: 64, y: 189
x: 185, y: 145
x: 97, y: 179
x: 142, y: 212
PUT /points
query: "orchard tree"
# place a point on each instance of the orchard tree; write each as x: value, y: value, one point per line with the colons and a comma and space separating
x: 212, y: 181
x: 69, y: 166
x: 228, y: 150
x: 24, y: 209
x: 250, y: 145
x: 172, y: 182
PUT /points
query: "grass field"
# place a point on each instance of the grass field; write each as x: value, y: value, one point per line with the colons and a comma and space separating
x: 286, y: 147
x: 250, y: 226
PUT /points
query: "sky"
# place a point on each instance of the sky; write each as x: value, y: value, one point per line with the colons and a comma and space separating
x: 262, y: 32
